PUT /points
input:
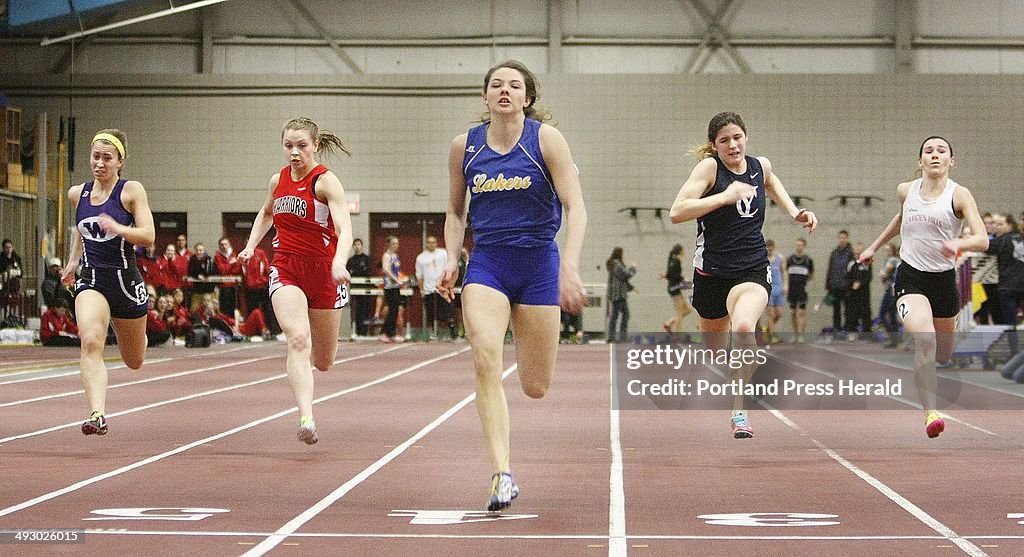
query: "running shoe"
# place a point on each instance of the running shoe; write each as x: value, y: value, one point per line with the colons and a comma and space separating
x: 307, y: 431
x: 503, y: 491
x: 740, y: 428
x: 95, y: 425
x: 934, y: 425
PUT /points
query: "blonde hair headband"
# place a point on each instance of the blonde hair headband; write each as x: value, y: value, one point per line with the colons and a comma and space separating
x: 112, y: 139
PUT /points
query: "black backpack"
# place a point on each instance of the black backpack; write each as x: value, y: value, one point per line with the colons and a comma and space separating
x: 198, y: 336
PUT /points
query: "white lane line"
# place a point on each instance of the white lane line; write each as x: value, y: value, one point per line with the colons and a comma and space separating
x: 79, y: 485
x: 294, y: 524
x: 114, y: 362
x: 901, y: 400
x: 382, y: 535
x: 139, y: 382
x: 183, y: 398
x: 917, y: 512
x: 617, y: 546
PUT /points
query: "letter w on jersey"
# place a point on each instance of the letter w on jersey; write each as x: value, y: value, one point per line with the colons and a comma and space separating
x: 91, y: 230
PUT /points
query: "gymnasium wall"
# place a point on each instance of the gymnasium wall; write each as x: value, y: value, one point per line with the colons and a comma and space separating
x: 208, y: 146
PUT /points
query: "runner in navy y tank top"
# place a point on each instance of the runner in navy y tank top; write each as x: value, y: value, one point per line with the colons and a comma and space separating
x: 725, y: 193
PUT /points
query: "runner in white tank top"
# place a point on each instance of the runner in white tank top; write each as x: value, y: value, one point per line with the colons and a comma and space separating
x: 927, y: 225
x: 932, y: 211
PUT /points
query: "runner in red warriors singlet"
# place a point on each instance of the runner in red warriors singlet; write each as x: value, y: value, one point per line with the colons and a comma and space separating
x: 308, y: 278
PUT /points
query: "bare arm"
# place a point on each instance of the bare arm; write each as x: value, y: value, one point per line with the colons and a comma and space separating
x: 68, y: 273
x: 558, y: 158
x: 774, y: 188
x: 133, y: 198
x: 689, y: 203
x: 455, y: 216
x: 264, y: 220
x: 964, y: 203
x: 892, y: 229
x: 329, y: 188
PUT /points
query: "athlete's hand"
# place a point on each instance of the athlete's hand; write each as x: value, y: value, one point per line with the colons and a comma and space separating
x: 571, y: 295
x: 740, y: 191
x: 245, y: 254
x: 951, y: 248
x: 108, y: 224
x: 866, y: 255
x: 807, y: 219
x: 67, y: 275
x: 339, y: 272
x: 446, y: 286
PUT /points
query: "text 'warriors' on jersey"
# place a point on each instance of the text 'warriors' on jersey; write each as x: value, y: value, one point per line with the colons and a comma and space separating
x: 301, y: 231
x: 512, y: 198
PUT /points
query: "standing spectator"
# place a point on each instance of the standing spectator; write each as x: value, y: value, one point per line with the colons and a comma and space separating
x: 182, y: 256
x: 360, y: 265
x: 57, y: 327
x: 777, y: 296
x: 985, y: 270
x: 837, y: 283
x: 1008, y: 247
x: 429, y: 266
x: 858, y: 309
x: 618, y: 295
x: 887, y: 309
x: 799, y: 271
x: 53, y: 288
x: 256, y: 282
x: 391, y: 266
x: 463, y: 263
x: 172, y: 277
x: 10, y: 274
x: 152, y: 268
x: 227, y: 263
x: 677, y: 285
x: 200, y: 266
x: 9, y: 259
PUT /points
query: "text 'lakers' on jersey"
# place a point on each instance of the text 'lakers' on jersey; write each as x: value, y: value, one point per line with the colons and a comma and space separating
x: 104, y: 250
x: 729, y: 239
x: 303, y: 222
x: 512, y: 198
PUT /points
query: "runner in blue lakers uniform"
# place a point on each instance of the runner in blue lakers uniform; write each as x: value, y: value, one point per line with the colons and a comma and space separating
x: 520, y: 175
x: 725, y: 193
x: 112, y: 216
x: 932, y: 212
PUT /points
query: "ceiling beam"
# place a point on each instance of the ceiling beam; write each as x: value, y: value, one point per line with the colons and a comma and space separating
x: 326, y: 36
x: 716, y: 34
x: 905, y: 25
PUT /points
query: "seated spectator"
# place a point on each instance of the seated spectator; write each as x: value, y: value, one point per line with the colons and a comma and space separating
x: 158, y: 326
x: 57, y: 328
x: 52, y: 287
x: 182, y: 318
x: 255, y: 326
x: 208, y: 313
